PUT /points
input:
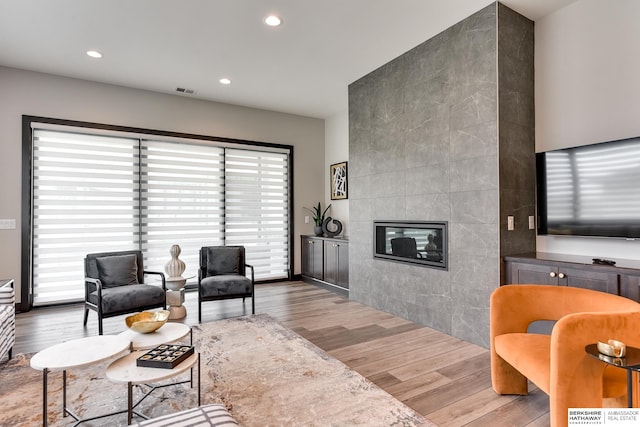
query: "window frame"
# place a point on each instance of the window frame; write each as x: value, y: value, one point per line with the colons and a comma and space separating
x: 26, y: 289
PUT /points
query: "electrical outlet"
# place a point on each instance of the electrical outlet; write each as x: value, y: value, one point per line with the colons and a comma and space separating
x: 7, y: 224
x: 510, y: 225
x: 306, y: 219
x: 532, y: 223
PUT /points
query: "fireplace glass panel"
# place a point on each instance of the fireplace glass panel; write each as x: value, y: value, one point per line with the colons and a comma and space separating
x: 423, y: 243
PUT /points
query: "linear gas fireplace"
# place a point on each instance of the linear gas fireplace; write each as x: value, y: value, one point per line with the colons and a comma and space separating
x: 414, y: 242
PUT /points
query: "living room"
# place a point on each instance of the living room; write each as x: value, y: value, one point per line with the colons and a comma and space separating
x: 584, y: 87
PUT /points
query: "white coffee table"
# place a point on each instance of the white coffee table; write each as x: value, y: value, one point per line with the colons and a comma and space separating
x: 168, y: 333
x: 75, y: 354
x: 125, y: 370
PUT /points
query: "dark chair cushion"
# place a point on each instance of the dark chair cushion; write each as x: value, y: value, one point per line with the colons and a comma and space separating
x: 118, y: 270
x: 404, y: 247
x: 129, y: 298
x: 223, y: 260
x: 225, y: 284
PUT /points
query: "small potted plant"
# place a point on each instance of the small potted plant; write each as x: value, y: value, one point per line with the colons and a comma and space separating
x: 318, y: 217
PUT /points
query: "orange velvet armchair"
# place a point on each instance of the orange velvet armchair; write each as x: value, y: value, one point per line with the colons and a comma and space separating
x: 558, y: 363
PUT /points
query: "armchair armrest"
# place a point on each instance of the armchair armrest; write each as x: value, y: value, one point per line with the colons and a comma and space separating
x: 91, y: 284
x: 574, y: 374
x: 162, y: 278
x: 252, y: 273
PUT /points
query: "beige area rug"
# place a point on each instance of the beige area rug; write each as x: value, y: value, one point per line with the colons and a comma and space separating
x: 264, y: 373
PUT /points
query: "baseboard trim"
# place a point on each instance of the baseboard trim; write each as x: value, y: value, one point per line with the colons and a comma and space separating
x: 328, y: 286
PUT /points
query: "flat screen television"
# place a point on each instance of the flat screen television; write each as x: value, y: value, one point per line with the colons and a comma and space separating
x: 591, y: 190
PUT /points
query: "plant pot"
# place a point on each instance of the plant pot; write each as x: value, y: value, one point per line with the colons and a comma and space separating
x: 317, y: 230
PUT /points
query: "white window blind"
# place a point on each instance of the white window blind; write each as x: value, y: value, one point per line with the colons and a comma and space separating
x: 97, y: 193
x: 257, y: 205
x: 85, y: 199
x: 182, y: 201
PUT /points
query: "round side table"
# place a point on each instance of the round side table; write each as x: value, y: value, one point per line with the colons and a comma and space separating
x: 175, y: 296
x: 125, y: 370
x: 630, y: 362
x: 75, y: 354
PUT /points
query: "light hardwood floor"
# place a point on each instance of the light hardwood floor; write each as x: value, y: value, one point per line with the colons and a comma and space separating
x: 445, y: 379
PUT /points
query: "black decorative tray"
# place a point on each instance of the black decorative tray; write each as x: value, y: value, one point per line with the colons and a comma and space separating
x: 166, y: 356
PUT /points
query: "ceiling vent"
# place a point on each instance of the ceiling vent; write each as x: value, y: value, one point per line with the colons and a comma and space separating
x: 185, y: 91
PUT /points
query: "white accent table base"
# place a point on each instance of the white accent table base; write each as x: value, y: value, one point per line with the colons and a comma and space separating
x: 175, y: 300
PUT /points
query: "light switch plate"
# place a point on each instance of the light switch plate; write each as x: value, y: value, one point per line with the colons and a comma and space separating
x: 510, y: 225
x: 532, y: 223
x: 7, y: 224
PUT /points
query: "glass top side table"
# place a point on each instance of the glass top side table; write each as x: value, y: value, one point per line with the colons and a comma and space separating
x: 630, y: 362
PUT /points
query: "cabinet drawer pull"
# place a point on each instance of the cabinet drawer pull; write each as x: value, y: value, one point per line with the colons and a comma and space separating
x: 552, y: 274
x: 562, y: 275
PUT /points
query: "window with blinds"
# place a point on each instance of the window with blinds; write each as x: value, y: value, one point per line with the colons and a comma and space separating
x: 182, y: 201
x: 257, y: 204
x: 97, y: 193
x: 85, y: 199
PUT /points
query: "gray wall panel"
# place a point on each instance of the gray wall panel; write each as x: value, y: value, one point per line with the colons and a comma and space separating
x: 426, y: 144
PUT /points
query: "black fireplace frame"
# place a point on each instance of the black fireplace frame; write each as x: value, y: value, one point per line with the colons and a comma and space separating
x: 411, y: 248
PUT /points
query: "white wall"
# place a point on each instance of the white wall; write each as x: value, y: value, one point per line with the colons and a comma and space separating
x: 336, y: 150
x: 587, y: 70
x: 37, y: 94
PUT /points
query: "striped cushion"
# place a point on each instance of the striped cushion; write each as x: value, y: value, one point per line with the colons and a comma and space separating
x: 7, y: 329
x: 207, y: 415
x: 7, y: 295
x: 7, y: 320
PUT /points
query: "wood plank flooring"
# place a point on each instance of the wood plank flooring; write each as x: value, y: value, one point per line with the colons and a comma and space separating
x: 445, y: 379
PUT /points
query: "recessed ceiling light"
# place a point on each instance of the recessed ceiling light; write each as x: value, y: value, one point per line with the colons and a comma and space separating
x: 272, y: 20
x: 94, y: 54
x: 225, y: 81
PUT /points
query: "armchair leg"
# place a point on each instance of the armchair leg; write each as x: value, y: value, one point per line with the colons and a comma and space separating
x: 253, y: 304
x: 10, y: 353
x: 99, y: 325
x: 199, y: 311
x: 86, y: 315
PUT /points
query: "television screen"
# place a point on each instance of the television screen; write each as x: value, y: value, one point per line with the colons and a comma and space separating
x: 591, y: 190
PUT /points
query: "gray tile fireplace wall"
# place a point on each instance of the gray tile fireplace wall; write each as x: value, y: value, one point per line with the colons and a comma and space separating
x: 445, y: 132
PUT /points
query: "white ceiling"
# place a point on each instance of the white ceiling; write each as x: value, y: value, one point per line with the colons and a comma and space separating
x: 302, y: 67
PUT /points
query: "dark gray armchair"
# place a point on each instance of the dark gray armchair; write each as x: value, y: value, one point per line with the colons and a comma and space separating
x: 405, y: 247
x: 114, y: 285
x: 222, y: 275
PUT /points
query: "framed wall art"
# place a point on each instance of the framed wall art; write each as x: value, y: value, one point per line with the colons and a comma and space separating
x: 338, y: 174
